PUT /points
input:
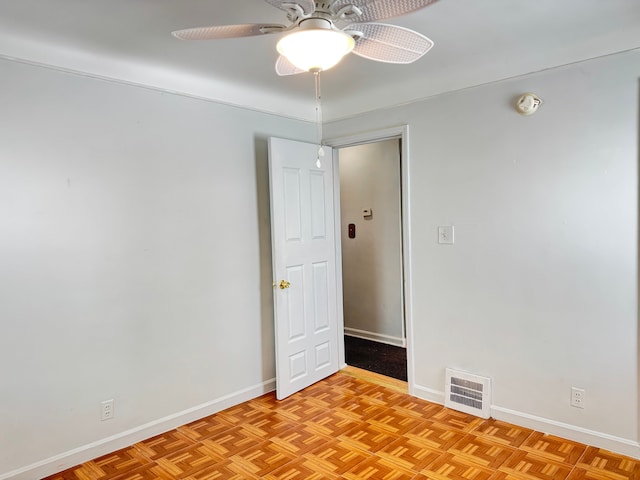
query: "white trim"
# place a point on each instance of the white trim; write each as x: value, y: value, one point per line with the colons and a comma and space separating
x: 337, y: 231
x: 429, y: 394
x: 570, y: 432
x: 405, y: 165
x: 124, y: 439
x: 401, y: 132
x: 367, y: 137
x: 375, y: 337
x: 553, y: 427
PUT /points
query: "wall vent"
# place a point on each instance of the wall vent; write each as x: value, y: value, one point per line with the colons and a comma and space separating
x: 468, y: 393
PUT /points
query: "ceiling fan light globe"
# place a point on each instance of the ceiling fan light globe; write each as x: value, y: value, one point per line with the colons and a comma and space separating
x: 315, y: 49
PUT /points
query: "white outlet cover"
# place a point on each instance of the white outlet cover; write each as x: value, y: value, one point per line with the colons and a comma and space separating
x: 106, y: 410
x: 577, y: 397
x: 445, y: 235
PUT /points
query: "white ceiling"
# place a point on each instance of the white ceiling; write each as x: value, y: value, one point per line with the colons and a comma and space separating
x: 476, y: 41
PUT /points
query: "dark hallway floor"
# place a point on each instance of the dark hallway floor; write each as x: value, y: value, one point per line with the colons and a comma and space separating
x: 376, y: 357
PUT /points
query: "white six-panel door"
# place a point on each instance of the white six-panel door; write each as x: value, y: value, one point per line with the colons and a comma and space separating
x: 303, y: 242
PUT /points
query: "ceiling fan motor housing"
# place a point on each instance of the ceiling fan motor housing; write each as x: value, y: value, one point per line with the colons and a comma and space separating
x: 315, y: 23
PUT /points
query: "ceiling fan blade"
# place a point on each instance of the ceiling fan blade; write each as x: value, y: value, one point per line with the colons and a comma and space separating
x: 284, y: 67
x: 389, y: 43
x: 308, y: 6
x: 227, y: 31
x: 374, y: 10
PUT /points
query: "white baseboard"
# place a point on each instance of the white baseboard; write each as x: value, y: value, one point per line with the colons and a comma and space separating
x: 428, y: 394
x: 570, y: 432
x: 376, y: 337
x: 96, y: 449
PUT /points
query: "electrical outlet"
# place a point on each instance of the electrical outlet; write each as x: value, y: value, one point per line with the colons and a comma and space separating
x: 106, y: 410
x: 577, y: 397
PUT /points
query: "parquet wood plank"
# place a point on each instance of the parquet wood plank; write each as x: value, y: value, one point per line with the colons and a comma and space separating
x: 377, y: 468
x: 415, y: 407
x: 162, y: 445
x: 457, y: 420
x: 354, y: 428
x: 477, y: 449
x: 504, y: 433
x: 226, y: 470
x: 268, y: 424
x: 262, y: 458
x: 300, y: 440
x: 329, y: 398
x: 333, y: 424
x: 113, y: 465
x: 554, y: 448
x: 394, y: 422
x: 232, y: 442
x: 300, y: 469
x: 409, y: 454
x: 599, y: 463
x: 204, y: 428
x: 189, y: 461
x: 383, y: 396
x: 336, y: 457
x: 523, y: 465
x: 242, y: 413
x: 369, y: 438
x: 359, y: 409
x: 453, y: 467
x: 435, y: 435
x: 148, y: 472
x: 301, y: 410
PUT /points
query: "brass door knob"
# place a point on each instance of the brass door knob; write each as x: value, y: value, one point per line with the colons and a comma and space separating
x: 284, y: 284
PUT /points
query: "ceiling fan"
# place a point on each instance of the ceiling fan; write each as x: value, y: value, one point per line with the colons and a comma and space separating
x: 320, y: 33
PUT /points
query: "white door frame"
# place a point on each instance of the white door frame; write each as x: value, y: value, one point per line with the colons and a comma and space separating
x: 400, y: 132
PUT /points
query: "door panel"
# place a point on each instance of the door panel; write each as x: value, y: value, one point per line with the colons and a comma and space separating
x: 318, y: 214
x: 293, y: 220
x: 303, y: 241
x: 320, y: 297
x: 294, y: 299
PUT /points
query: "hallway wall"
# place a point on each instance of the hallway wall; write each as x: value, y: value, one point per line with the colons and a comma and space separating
x: 372, y: 262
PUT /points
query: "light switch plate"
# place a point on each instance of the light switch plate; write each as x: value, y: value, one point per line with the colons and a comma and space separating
x: 445, y: 235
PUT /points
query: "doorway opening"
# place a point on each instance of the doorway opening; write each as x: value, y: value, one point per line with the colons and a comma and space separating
x: 372, y: 250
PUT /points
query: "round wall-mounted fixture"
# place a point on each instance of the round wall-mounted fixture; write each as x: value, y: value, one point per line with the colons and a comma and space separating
x: 528, y: 104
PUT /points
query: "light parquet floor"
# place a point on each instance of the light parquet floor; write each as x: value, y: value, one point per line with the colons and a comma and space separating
x: 356, y: 428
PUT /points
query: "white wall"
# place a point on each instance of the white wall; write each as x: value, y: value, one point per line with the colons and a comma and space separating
x: 372, y: 262
x: 540, y: 290
x: 134, y: 262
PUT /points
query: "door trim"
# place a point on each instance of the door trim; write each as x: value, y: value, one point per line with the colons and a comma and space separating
x: 400, y: 132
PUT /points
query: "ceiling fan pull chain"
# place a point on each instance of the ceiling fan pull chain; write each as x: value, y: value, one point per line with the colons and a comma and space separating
x: 319, y: 119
